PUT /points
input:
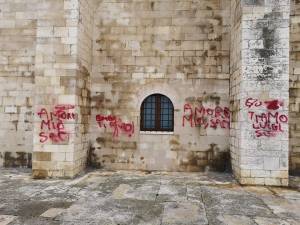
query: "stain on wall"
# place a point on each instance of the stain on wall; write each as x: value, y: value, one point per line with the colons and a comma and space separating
x: 17, y: 159
x: 212, y: 159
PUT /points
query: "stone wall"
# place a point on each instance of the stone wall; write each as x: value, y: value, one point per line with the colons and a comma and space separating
x: 17, y: 57
x: 176, y: 48
x: 84, y: 55
x: 63, y: 62
x: 260, y: 105
x: 235, y: 84
x: 294, y: 110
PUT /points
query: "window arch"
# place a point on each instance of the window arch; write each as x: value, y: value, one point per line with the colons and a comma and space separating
x: 157, y: 113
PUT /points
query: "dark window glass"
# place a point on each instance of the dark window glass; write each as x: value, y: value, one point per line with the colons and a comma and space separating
x: 157, y: 114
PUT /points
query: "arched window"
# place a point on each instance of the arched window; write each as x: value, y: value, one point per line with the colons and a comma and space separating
x: 157, y: 114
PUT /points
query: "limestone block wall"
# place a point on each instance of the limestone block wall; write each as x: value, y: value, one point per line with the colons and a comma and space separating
x: 84, y: 60
x: 63, y: 62
x: 55, y: 74
x: 263, y: 97
x: 176, y: 48
x: 235, y: 84
x: 17, y: 57
x: 294, y: 110
x: 62, y: 88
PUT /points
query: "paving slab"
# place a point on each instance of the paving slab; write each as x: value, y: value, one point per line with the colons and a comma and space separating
x: 286, y: 193
x: 273, y: 221
x: 188, y: 213
x: 6, y: 219
x: 283, y: 208
x: 52, y: 213
x: 235, y: 220
x: 172, y: 193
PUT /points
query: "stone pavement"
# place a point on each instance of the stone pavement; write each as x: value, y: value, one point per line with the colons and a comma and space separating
x: 130, y: 198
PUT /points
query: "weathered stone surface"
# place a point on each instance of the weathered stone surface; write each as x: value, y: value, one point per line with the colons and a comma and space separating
x: 259, y: 89
x: 105, y: 57
x: 184, y: 213
x: 235, y: 220
x: 294, y: 88
x: 52, y: 213
x: 121, y: 197
x: 270, y: 221
x: 176, y: 49
x: 6, y: 219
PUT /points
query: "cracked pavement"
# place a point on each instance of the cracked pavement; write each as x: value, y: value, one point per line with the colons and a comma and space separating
x: 138, y: 198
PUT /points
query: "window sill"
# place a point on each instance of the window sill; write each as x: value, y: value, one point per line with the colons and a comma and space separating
x: 157, y: 132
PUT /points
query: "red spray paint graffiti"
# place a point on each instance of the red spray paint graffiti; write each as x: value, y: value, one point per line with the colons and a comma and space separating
x: 217, y: 117
x: 116, y: 124
x: 52, y: 124
x: 268, y: 123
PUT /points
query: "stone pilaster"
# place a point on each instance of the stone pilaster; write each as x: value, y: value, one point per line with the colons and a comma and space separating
x: 260, y: 91
x: 294, y: 111
x: 61, y: 91
x: 235, y: 83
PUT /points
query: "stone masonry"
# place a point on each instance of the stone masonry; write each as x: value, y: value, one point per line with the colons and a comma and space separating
x: 74, y: 74
x: 260, y: 75
x: 17, y: 60
x: 235, y: 80
x: 294, y: 140
x: 62, y: 88
x: 179, y: 49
